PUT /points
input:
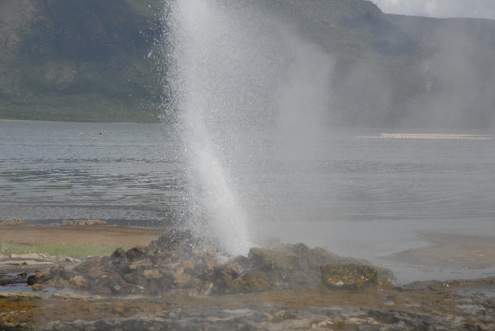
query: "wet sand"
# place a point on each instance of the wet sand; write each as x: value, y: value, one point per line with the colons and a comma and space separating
x: 451, y: 251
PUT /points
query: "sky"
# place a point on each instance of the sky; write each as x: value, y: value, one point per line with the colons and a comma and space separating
x: 440, y: 8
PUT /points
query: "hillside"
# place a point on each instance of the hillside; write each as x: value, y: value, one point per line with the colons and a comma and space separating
x: 79, y: 60
x: 94, y: 60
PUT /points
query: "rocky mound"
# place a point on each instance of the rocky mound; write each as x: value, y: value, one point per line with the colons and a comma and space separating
x: 179, y: 261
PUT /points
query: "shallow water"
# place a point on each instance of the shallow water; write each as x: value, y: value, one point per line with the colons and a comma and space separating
x: 355, y: 193
x: 117, y: 172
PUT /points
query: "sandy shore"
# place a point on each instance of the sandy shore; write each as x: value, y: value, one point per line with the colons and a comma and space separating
x: 451, y: 251
x: 95, y: 235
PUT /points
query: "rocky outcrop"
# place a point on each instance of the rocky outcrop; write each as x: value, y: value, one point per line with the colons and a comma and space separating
x: 179, y: 261
x: 349, y: 276
x: 291, y: 267
x: 12, y: 279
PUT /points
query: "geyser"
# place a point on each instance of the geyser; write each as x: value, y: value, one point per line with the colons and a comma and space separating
x: 198, y: 82
x: 238, y: 73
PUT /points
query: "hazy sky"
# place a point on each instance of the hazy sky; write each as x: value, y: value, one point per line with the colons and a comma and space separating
x: 440, y: 8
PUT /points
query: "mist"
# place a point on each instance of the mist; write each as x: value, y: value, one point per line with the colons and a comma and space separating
x: 400, y: 72
x: 241, y: 76
x: 439, y: 8
x: 264, y: 89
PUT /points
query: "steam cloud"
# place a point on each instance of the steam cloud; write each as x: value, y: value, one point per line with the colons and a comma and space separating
x: 238, y: 70
x: 440, y: 8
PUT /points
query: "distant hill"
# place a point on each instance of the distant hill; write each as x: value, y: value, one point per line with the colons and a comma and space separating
x: 94, y: 60
x: 79, y: 60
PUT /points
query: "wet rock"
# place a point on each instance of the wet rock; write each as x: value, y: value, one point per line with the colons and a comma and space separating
x: 348, y: 276
x: 278, y: 267
x: 175, y: 261
x: 227, y: 280
x: 179, y: 261
x: 152, y: 274
x: 283, y: 315
x: 31, y: 256
x: 290, y: 266
x: 12, y: 279
x: 79, y: 282
x: 38, y: 277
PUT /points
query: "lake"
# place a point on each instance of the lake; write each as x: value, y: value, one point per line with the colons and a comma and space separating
x: 362, y: 193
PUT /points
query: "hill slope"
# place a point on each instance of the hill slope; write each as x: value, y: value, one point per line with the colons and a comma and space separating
x: 93, y: 60
x: 78, y: 60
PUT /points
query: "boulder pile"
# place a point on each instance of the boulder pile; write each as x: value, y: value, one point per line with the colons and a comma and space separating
x: 178, y: 261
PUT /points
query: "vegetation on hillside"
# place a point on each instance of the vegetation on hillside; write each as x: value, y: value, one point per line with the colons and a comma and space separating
x: 86, y: 60
x: 97, y: 60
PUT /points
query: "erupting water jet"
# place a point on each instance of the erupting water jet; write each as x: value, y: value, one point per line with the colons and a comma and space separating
x: 239, y: 72
x: 196, y: 41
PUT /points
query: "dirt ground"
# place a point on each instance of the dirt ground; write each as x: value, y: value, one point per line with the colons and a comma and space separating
x: 78, y: 235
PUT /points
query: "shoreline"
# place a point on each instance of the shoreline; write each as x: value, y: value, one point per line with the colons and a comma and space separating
x: 435, y: 305
x: 439, y: 251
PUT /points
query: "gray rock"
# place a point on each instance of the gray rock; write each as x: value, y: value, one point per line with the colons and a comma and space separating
x: 348, y: 276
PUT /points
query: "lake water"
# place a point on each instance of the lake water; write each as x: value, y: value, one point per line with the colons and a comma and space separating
x: 362, y: 194
x: 117, y: 172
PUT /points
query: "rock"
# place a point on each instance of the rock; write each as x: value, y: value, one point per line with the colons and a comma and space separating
x: 84, y: 223
x: 275, y: 268
x: 179, y: 261
x: 79, y: 282
x: 283, y: 315
x: 175, y: 261
x: 227, y: 280
x: 71, y: 260
x: 38, y: 278
x: 348, y: 276
x: 152, y: 274
x: 12, y: 279
x: 12, y: 222
x: 37, y: 287
x: 31, y: 256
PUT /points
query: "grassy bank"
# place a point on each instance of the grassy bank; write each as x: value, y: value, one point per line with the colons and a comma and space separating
x: 72, y: 241
x: 58, y: 249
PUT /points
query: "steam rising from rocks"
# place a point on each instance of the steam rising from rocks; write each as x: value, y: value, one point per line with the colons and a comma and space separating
x: 239, y: 70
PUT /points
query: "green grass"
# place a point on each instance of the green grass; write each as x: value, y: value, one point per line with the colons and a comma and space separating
x: 70, y: 250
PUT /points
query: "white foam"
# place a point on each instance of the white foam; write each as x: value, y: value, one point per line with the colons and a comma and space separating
x: 435, y: 136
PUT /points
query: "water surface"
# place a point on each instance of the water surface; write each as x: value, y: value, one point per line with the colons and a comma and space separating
x: 357, y: 193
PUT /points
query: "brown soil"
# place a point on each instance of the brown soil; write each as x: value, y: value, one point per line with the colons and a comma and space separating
x: 78, y: 235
